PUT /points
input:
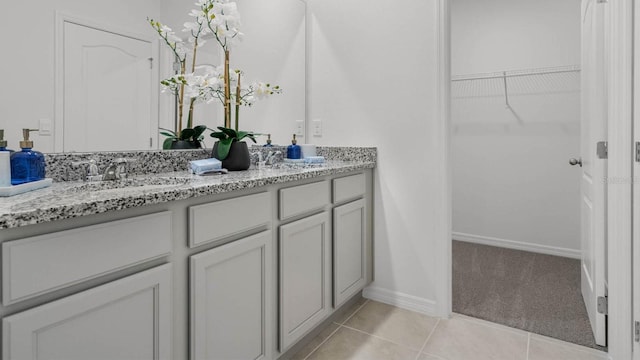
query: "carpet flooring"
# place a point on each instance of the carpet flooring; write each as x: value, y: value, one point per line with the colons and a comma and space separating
x: 529, y: 291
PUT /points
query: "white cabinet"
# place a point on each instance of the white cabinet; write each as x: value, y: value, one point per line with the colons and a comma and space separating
x: 231, y: 300
x: 125, y: 319
x: 349, y: 251
x: 304, y: 277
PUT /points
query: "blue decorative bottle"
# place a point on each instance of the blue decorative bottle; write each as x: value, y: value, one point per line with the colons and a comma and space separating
x: 293, y: 150
x: 27, y: 165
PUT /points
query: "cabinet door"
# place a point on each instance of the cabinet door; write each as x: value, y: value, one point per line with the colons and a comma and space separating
x: 126, y: 319
x: 305, y: 277
x: 231, y: 300
x: 349, y: 250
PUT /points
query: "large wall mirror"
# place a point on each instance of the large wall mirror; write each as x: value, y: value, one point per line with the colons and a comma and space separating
x: 86, y: 73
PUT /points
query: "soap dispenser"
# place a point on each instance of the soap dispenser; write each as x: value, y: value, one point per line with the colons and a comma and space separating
x: 5, y: 162
x: 27, y: 165
x: 3, y: 142
x: 293, y: 150
x: 268, y: 144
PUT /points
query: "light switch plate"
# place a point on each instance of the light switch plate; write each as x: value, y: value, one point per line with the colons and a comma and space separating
x: 317, y: 127
x: 299, y: 131
x: 45, y: 127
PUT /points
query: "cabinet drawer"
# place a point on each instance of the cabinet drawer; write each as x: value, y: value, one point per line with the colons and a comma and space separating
x: 349, y: 187
x: 221, y: 219
x: 302, y: 199
x: 40, y: 264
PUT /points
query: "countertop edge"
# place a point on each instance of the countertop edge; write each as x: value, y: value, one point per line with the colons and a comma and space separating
x: 44, y: 214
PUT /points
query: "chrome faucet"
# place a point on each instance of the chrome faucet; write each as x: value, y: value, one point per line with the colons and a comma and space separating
x: 271, y: 157
x: 117, y: 170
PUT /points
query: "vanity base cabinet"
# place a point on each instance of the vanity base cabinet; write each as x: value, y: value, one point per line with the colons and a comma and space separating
x: 231, y: 300
x: 349, y: 251
x: 126, y: 319
x: 304, y: 277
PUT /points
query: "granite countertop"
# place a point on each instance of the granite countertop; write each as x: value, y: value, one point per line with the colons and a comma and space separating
x: 70, y: 199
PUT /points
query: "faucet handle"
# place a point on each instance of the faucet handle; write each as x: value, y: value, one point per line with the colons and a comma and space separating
x: 91, y: 171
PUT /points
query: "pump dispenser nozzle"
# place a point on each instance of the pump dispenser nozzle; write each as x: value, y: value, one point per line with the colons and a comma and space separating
x: 3, y: 142
x: 26, y: 143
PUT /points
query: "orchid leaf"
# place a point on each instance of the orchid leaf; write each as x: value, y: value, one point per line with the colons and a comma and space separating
x: 198, y: 130
x: 166, y: 145
x: 169, y: 135
x: 230, y: 132
x: 171, y: 132
x: 219, y: 135
x: 224, y: 145
x: 187, y: 134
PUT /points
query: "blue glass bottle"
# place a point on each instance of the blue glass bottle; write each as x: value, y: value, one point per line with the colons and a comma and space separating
x: 293, y: 150
x: 27, y: 165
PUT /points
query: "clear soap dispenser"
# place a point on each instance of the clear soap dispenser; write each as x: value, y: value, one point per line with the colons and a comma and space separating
x: 27, y: 165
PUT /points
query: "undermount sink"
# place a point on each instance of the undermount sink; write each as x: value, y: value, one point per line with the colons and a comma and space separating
x: 137, y: 184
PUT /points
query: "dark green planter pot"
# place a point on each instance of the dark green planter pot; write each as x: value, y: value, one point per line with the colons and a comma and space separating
x: 185, y: 145
x: 238, y: 159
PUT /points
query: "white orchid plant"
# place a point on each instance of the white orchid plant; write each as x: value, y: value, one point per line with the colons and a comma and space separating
x: 221, y: 20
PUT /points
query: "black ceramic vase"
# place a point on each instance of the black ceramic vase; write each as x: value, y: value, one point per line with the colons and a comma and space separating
x: 184, y: 145
x: 238, y: 159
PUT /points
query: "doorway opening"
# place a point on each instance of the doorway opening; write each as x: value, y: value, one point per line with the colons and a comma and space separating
x: 528, y: 236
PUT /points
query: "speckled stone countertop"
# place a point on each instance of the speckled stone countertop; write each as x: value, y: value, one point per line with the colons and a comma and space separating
x: 70, y: 199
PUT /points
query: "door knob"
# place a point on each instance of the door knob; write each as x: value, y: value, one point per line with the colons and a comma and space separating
x: 574, y: 162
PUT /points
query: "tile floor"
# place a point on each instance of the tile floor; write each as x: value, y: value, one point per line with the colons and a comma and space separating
x: 373, y: 330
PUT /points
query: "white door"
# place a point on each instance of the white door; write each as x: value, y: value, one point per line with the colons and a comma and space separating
x: 107, y: 91
x: 636, y: 190
x: 594, y: 171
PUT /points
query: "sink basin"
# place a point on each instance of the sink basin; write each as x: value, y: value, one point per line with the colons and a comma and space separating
x: 132, y: 184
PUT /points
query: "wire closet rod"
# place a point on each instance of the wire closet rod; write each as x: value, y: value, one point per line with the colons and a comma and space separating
x: 517, y: 73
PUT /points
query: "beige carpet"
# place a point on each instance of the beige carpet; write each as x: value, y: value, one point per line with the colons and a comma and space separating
x: 533, y: 292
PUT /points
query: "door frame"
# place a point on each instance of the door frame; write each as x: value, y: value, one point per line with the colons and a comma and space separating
x: 58, y: 122
x: 620, y: 89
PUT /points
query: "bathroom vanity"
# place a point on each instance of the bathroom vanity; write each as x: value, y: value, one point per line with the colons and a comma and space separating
x: 174, y: 266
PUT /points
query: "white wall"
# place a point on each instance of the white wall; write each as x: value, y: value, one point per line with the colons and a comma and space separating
x: 511, y: 178
x: 27, y: 93
x: 373, y: 82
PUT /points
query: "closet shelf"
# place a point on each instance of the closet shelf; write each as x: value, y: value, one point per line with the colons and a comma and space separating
x: 505, y: 84
x: 518, y: 73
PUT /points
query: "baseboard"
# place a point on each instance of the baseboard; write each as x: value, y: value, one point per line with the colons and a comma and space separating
x: 405, y: 301
x: 517, y: 245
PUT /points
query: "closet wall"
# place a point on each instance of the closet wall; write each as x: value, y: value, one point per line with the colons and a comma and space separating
x: 513, y: 186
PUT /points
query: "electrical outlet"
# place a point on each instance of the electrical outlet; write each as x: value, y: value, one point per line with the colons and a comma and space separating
x: 299, y: 128
x: 45, y: 127
x: 317, y: 127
